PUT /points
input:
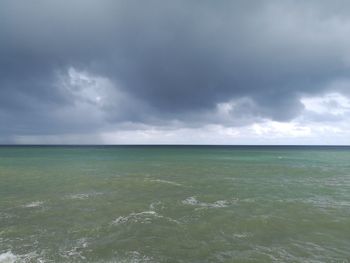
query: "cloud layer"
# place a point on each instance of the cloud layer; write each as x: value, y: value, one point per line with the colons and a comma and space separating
x: 96, y: 68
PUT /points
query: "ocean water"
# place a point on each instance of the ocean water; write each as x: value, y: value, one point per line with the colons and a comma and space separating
x: 174, y: 204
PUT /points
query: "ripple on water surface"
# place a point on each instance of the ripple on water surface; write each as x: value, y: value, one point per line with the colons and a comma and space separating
x: 194, y: 205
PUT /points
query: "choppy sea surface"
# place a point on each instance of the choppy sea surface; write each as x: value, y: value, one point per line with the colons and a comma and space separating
x: 174, y: 204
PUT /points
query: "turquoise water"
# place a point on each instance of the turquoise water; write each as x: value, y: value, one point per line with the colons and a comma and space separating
x: 174, y: 204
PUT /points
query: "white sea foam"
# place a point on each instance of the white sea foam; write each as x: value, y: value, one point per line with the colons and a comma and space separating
x: 135, y: 257
x: 75, y: 252
x: 7, y: 257
x: 220, y: 203
x: 190, y: 201
x: 34, y: 204
x: 82, y: 196
x: 242, y: 235
x: 164, y: 182
x: 78, y: 196
x: 193, y: 201
x: 155, y: 205
x: 144, y: 217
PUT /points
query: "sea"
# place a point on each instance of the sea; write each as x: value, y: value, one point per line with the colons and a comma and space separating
x: 174, y: 204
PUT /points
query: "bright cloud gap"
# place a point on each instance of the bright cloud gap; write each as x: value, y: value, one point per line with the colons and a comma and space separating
x: 95, y: 96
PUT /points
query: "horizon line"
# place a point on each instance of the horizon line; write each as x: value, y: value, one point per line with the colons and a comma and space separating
x: 227, y: 145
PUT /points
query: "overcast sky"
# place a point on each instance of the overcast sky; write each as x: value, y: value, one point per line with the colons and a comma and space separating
x: 180, y: 71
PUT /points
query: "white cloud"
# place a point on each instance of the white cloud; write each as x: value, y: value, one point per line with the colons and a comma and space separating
x: 305, y: 129
x: 301, y: 130
x: 331, y: 103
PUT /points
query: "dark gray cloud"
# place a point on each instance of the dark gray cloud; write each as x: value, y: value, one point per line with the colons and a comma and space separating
x: 154, y: 62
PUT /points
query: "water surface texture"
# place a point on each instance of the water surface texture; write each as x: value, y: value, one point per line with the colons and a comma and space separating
x: 174, y: 204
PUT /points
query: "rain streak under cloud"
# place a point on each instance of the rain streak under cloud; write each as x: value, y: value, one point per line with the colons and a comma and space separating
x: 211, y: 72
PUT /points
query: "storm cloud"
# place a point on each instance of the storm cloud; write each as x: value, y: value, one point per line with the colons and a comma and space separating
x: 88, y: 66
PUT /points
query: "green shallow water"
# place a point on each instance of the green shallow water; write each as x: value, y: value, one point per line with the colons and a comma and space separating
x: 174, y: 204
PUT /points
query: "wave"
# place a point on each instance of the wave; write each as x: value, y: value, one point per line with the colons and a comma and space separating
x: 135, y: 257
x: 141, y: 217
x: 76, y: 251
x: 4, y: 215
x: 164, y: 182
x: 242, y: 235
x: 82, y: 196
x: 193, y: 201
x: 320, y: 202
x: 155, y: 205
x: 78, y: 196
x: 34, y: 204
x: 8, y: 257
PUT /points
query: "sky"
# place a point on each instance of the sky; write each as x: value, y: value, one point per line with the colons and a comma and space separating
x: 174, y: 72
